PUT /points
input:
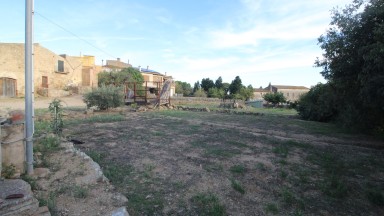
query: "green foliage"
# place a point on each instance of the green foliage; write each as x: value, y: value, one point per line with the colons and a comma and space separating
x: 208, y: 204
x: 219, y: 83
x: 196, y: 86
x: 274, y: 98
x: 183, y: 88
x: 272, y: 208
x: 319, y: 104
x: 237, y: 186
x: 239, y: 169
x: 216, y: 93
x: 56, y: 110
x: 119, y: 78
x: 353, y: 63
x: 207, y: 84
x: 200, y: 93
x: 8, y: 171
x: 105, y: 97
x: 47, y: 144
x: 235, y: 86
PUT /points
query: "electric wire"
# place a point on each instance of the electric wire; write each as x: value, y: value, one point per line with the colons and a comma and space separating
x: 73, y: 34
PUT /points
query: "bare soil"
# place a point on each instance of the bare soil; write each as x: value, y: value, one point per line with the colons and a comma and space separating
x: 254, y: 165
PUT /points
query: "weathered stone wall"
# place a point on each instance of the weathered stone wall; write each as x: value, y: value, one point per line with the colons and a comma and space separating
x: 45, y: 64
x: 12, y: 147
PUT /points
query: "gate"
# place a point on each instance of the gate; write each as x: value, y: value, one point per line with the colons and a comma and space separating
x: 7, y: 87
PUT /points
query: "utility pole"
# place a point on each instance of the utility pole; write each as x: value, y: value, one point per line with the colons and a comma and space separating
x: 29, y: 126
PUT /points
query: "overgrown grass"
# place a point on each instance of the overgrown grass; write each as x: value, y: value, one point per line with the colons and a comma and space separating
x: 208, y: 204
x: 104, y: 118
x: 237, y: 186
x: 238, y: 169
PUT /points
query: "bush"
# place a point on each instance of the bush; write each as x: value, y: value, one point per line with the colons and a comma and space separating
x: 274, y: 98
x: 319, y: 104
x: 105, y: 97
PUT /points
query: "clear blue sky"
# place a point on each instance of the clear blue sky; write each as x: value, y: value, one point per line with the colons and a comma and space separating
x: 261, y: 41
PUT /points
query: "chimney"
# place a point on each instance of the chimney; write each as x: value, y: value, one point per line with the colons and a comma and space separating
x: 118, y: 59
x: 165, y: 73
x: 147, y: 67
x: 139, y: 68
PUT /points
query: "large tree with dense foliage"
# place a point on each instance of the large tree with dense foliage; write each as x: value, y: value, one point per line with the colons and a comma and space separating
x: 206, y: 84
x: 118, y: 78
x: 235, y: 86
x: 183, y: 88
x: 274, y: 98
x: 353, y: 63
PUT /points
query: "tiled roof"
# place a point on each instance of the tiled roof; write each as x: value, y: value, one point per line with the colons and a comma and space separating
x: 290, y: 87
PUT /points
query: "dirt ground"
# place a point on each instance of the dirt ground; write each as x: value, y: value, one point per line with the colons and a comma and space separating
x: 188, y: 163
x: 207, y: 163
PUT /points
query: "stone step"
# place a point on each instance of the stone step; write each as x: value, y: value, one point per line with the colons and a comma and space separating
x: 18, y: 206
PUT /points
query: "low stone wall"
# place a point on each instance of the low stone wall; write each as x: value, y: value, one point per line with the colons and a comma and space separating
x: 12, y: 146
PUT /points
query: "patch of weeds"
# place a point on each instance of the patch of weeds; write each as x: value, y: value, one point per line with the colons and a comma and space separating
x: 283, y: 174
x: 208, y: 204
x: 96, y: 156
x: 79, y: 192
x: 148, y: 170
x: 237, y: 144
x: 116, y: 173
x: 375, y: 196
x: 50, y: 202
x: 238, y: 169
x: 334, y: 186
x: 42, y: 127
x: 47, y: 144
x: 287, y: 196
x: 272, y: 208
x: 237, y: 186
x: 281, y: 150
x: 283, y: 162
x: 97, y: 119
x: 31, y: 181
x: 260, y: 166
x: 8, y: 171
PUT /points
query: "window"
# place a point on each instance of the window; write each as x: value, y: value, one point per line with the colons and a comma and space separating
x: 44, y: 82
x: 60, y: 66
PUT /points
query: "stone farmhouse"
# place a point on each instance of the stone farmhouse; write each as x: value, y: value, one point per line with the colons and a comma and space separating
x: 291, y: 93
x: 54, y: 75
x: 152, y: 78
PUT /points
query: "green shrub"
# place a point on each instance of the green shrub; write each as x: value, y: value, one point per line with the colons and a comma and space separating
x: 105, y: 97
x: 319, y: 104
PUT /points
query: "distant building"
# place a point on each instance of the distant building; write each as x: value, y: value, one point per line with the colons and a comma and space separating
x: 291, y: 93
x: 115, y: 65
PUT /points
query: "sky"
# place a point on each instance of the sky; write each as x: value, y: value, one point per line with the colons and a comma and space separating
x: 262, y: 41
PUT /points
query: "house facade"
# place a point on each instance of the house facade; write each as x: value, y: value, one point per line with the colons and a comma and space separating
x: 52, y: 73
x: 291, y: 93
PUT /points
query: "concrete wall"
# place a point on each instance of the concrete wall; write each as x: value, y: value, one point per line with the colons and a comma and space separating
x: 45, y: 64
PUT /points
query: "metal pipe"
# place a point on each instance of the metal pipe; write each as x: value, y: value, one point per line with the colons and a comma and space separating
x: 29, y: 85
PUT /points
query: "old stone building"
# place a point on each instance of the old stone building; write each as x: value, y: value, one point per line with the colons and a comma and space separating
x: 53, y: 74
x: 291, y: 93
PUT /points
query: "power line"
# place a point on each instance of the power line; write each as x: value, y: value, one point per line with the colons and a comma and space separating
x: 73, y: 34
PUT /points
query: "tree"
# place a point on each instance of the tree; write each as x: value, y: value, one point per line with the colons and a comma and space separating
x: 219, y: 83
x: 206, y: 84
x: 353, y: 63
x: 216, y: 93
x: 200, y: 93
x: 183, y: 88
x: 196, y: 86
x: 118, y: 78
x: 235, y: 86
x: 274, y: 98
x: 318, y: 104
